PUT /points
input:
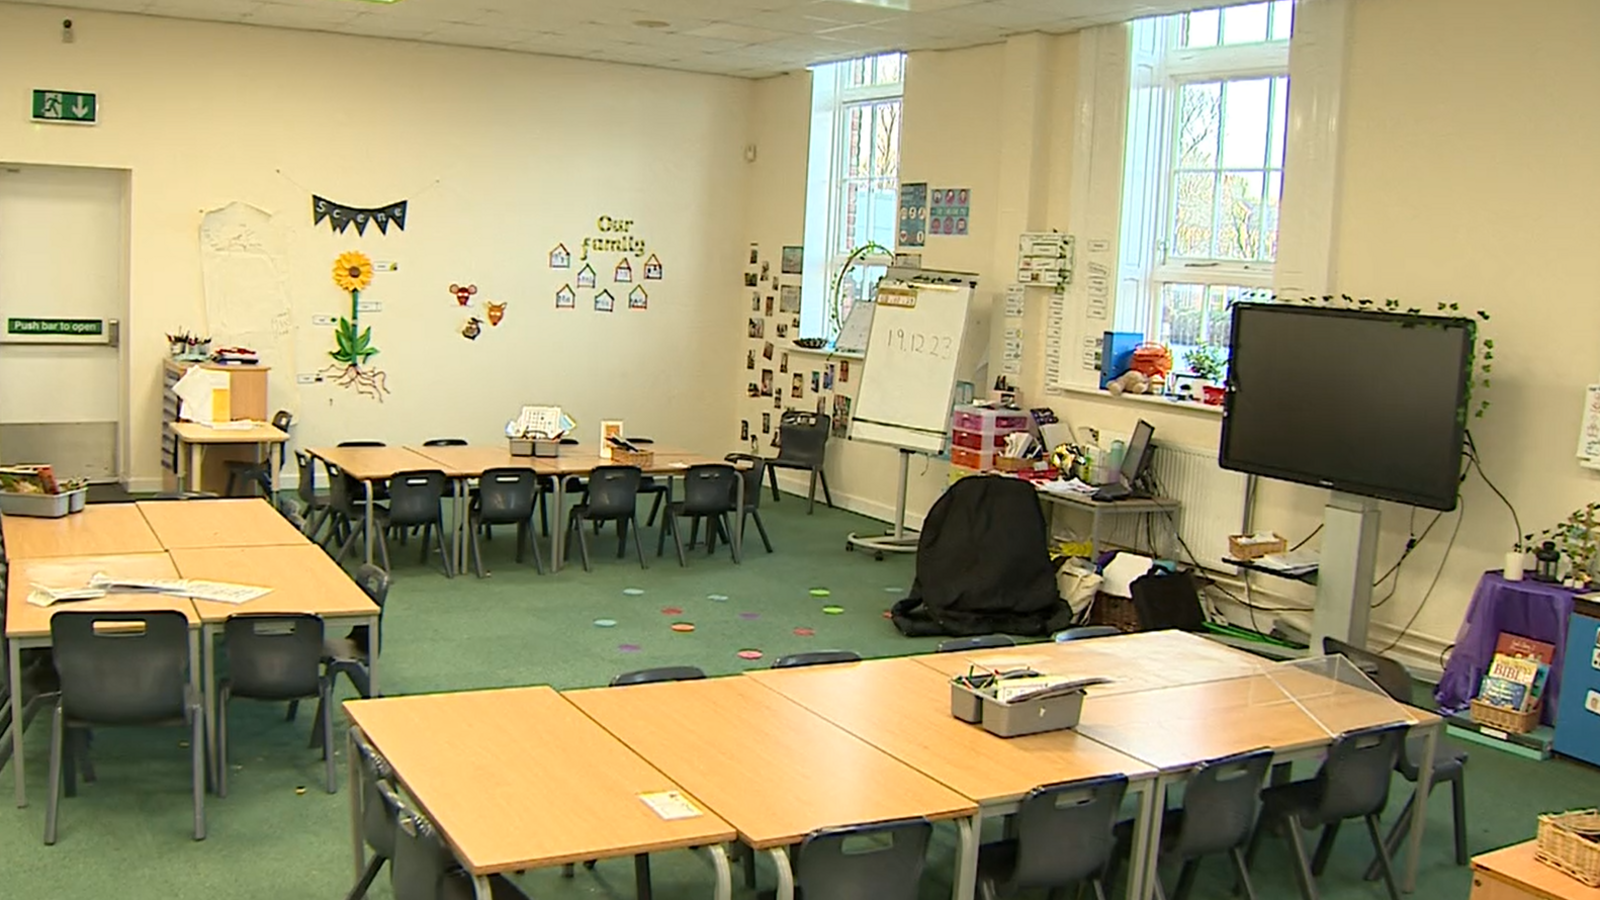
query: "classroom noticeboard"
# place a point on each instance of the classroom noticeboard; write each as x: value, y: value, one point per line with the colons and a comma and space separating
x: 910, y: 371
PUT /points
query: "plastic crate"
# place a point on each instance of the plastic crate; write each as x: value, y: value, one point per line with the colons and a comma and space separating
x: 45, y: 506
x: 974, y: 418
x: 978, y: 440
x: 972, y: 459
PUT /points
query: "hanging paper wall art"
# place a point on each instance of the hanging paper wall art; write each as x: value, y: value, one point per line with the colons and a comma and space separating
x: 652, y: 268
x: 623, y: 273
x: 604, y: 302
x: 560, y: 257
x: 586, y: 277
x: 565, y: 298
x: 638, y: 299
x: 352, y: 272
x: 341, y: 217
x: 463, y: 293
x: 472, y: 328
x: 495, y: 311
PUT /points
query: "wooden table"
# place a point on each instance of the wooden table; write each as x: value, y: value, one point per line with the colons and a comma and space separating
x: 773, y: 769
x: 1511, y: 873
x: 1136, y: 662
x: 372, y: 464
x: 198, y: 524
x: 303, y: 581
x: 198, y: 436
x: 518, y: 778
x: 101, y: 529
x: 903, y: 708
x: 28, y: 626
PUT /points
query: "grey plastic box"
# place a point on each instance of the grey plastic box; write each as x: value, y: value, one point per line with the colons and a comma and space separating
x: 1014, y: 719
x: 77, y: 499
x: 44, y: 506
x: 520, y: 447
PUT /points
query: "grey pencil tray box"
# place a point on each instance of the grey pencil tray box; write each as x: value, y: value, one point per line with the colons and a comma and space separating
x: 1014, y: 719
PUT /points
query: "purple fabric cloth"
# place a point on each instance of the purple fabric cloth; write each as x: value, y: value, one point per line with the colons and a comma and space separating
x: 1532, y: 609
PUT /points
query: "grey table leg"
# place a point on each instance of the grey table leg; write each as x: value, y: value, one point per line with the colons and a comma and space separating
x: 1147, y: 837
x: 208, y: 693
x: 1419, y: 811
x: 738, y: 513
x: 272, y: 474
x: 966, y: 878
x: 368, y: 524
x: 558, y: 528
x: 194, y: 468
x: 481, y: 889
x: 357, y: 841
x: 15, y: 664
x: 719, y: 861
x: 780, y: 859
x: 372, y: 655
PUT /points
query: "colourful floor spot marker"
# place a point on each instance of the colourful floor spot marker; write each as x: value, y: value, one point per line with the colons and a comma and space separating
x: 749, y: 654
x: 893, y: 590
x: 720, y: 598
x: 888, y: 614
x: 820, y: 592
x: 833, y: 610
x: 682, y: 626
x: 605, y: 623
x: 805, y: 632
x: 671, y: 611
x: 749, y: 616
x: 633, y: 592
x: 629, y: 648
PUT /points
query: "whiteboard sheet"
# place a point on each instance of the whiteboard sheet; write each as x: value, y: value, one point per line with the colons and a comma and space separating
x: 917, y: 335
x: 244, y: 269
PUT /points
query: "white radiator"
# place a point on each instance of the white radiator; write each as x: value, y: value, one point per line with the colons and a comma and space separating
x: 1211, y: 508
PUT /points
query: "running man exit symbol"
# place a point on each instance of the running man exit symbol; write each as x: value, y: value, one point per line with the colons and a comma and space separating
x: 72, y: 107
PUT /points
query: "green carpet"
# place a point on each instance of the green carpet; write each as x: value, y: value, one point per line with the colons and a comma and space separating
x: 278, y: 835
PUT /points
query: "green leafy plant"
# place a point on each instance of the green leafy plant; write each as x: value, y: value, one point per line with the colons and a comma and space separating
x: 1205, y: 361
x: 837, y: 295
x: 352, y: 344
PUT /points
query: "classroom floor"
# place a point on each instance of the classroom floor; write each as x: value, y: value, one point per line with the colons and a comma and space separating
x: 278, y: 835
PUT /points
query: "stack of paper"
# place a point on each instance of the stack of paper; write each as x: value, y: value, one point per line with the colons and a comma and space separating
x: 101, y: 585
x: 203, y: 394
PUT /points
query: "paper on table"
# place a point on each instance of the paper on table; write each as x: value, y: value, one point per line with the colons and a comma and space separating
x: 223, y: 592
x: 40, y: 595
x: 195, y: 390
x: 670, y: 805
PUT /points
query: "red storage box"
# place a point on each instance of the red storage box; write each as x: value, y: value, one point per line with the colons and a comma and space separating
x: 971, y: 418
x: 977, y: 440
x: 971, y: 459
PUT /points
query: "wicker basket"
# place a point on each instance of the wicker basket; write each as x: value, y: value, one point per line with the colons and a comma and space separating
x: 1241, y: 548
x: 1570, y: 841
x: 1116, y: 611
x: 644, y: 459
x: 1507, y: 720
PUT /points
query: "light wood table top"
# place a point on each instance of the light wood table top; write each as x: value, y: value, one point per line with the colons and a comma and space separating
x: 1135, y: 662
x: 773, y: 769
x: 577, y: 459
x: 102, y: 528
x: 903, y: 708
x: 473, y: 460
x: 519, y: 778
x: 302, y: 577
x: 257, y: 433
x: 189, y: 524
x: 1516, y: 866
x: 24, y: 620
x: 373, y: 463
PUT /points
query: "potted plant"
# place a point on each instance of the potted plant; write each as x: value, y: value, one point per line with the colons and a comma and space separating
x: 1206, y: 362
x: 1517, y: 558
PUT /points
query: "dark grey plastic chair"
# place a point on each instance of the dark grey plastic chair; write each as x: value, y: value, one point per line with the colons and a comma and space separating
x: 506, y: 497
x: 124, y: 669
x: 274, y: 658
x: 874, y: 861
x: 377, y: 815
x: 1066, y: 836
x: 1353, y: 783
x: 314, y: 505
x: 1449, y: 759
x: 976, y: 642
x: 416, y: 498
x: 708, y: 496
x: 444, y: 442
x: 802, y: 444
x: 423, y: 868
x: 1087, y: 632
x: 752, y: 474
x: 612, y: 496
x: 351, y: 655
x: 252, y: 473
x: 37, y: 690
x: 815, y: 658
x: 658, y: 675
x: 347, y: 506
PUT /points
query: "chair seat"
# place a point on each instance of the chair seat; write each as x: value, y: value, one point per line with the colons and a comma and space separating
x: 1298, y: 797
x: 997, y: 860
x: 1449, y: 759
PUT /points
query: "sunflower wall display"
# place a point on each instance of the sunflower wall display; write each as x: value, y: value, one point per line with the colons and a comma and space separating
x: 352, y: 272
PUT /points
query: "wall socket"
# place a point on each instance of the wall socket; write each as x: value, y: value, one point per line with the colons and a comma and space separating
x: 369, y: 306
x: 322, y: 320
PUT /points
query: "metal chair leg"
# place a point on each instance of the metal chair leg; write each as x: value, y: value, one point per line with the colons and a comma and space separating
x: 1186, y: 875
x: 1458, y: 803
x: 638, y: 546
x: 1302, y: 869
x: 326, y: 702
x: 222, y: 740
x: 761, y: 528
x: 772, y: 479
x: 1319, y: 861
x: 53, y: 803
x: 197, y: 760
x: 1237, y: 855
x: 1384, y: 863
x: 367, y: 876
x: 477, y: 549
x: 826, y: 497
x: 811, y: 494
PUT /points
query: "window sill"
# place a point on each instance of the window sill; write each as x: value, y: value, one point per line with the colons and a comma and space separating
x: 1187, y: 406
x: 824, y: 352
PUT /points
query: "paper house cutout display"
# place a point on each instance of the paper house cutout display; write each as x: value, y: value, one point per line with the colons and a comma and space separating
x: 560, y: 257
x: 638, y: 299
x: 586, y: 277
x: 623, y: 274
x: 604, y: 302
x: 565, y: 298
x: 652, y: 268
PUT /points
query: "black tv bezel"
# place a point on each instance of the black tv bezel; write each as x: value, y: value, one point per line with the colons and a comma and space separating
x: 1425, y: 501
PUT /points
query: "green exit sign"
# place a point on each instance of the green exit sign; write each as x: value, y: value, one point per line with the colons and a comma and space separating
x: 71, y: 107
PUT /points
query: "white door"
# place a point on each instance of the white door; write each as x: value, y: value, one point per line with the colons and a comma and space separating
x: 63, y: 295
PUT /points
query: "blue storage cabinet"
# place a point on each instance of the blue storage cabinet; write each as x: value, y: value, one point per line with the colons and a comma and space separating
x: 1578, y: 715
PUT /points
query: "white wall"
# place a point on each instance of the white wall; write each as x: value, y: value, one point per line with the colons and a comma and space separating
x: 502, y: 155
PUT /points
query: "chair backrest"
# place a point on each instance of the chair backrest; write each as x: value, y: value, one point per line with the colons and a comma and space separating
x: 815, y: 658
x: 1354, y: 779
x: 507, y: 495
x: 613, y: 491
x: 877, y: 861
x: 414, y: 496
x: 976, y: 642
x: 273, y: 657
x: 362, y: 444
x: 1219, y: 804
x: 1085, y: 632
x: 374, y: 582
x: 121, y: 668
x: 377, y: 815
x: 1387, y: 673
x: 710, y: 489
x: 344, y: 492
x: 421, y: 861
x: 445, y: 442
x: 306, y: 490
x: 1065, y: 831
x: 657, y: 675
x: 803, y: 437
x: 282, y: 419
x: 754, y: 470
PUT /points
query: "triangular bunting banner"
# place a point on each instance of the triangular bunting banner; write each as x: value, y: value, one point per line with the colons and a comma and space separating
x: 341, y: 217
